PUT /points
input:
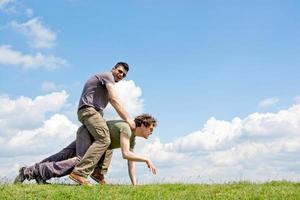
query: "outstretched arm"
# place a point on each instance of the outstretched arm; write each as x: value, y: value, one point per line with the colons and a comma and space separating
x: 131, y: 156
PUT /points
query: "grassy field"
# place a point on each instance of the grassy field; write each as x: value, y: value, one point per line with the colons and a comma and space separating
x: 241, y: 190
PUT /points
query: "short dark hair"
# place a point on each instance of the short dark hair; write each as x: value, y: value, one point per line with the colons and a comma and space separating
x: 145, y: 119
x: 123, y: 64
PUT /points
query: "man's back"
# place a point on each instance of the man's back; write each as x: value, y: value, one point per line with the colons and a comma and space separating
x: 116, y: 127
x: 94, y: 93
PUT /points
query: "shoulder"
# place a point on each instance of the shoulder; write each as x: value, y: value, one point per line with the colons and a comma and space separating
x: 121, y: 125
x: 105, y: 77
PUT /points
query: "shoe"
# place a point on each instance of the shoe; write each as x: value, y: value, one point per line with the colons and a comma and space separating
x: 79, y: 179
x: 21, y: 176
x: 39, y: 180
x: 99, y: 178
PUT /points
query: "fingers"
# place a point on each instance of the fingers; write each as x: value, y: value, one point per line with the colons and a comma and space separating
x: 154, y: 171
x: 131, y: 124
x: 151, y: 167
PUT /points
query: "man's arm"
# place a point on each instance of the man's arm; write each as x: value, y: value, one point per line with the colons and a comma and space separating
x: 116, y: 103
x: 131, y: 156
x: 131, y: 171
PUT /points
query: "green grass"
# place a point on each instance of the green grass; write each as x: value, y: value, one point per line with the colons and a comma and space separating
x: 240, y: 190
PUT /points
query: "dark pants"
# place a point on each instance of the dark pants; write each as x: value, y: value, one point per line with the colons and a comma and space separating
x: 63, y: 162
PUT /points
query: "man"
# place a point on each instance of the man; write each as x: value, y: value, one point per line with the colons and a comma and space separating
x: 121, y: 137
x: 97, y: 92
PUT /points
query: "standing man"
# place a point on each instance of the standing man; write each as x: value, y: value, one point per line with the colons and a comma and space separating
x: 97, y: 92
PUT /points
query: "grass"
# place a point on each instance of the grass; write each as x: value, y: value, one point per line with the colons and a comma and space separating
x: 239, y: 190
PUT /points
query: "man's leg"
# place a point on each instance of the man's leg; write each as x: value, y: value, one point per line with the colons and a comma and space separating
x: 83, y: 141
x: 97, y: 127
x: 42, y: 171
x: 102, y: 167
x: 64, y: 154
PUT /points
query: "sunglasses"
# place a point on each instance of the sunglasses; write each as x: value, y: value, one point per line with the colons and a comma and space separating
x: 121, y: 72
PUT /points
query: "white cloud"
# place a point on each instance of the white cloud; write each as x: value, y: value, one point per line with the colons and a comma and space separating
x: 130, y: 96
x: 3, y: 3
x: 38, y: 34
x: 54, y: 132
x: 49, y: 86
x: 6, y: 6
x: 25, y: 113
x: 266, y: 145
x: 8, y: 56
x: 219, y: 135
x: 265, y: 103
x: 255, y: 150
x: 26, y: 129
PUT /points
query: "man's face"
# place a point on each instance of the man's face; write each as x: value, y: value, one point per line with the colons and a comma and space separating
x: 147, y: 131
x: 119, y: 73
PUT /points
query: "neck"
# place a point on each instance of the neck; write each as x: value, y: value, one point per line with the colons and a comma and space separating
x: 136, y: 132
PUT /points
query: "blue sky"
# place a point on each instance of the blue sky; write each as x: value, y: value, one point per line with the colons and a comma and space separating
x: 193, y: 65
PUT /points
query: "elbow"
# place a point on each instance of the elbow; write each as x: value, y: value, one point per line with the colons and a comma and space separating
x: 125, y: 155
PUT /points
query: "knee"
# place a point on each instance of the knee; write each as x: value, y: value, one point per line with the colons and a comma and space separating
x: 103, y: 141
x: 106, y: 142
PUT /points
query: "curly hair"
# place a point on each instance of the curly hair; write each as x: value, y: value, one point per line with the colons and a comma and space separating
x: 145, y: 119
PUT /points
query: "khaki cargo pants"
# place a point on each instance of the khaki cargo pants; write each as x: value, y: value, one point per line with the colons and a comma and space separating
x: 98, y: 129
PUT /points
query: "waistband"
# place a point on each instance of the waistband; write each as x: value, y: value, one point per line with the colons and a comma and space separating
x: 87, y: 106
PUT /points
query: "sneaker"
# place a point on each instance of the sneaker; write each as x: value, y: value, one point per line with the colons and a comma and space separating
x: 21, y: 176
x: 99, y: 178
x: 79, y: 179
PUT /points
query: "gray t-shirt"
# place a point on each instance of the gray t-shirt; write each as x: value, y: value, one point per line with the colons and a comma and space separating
x: 94, y: 93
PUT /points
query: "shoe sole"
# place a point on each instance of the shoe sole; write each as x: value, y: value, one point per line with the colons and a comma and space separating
x: 77, y: 181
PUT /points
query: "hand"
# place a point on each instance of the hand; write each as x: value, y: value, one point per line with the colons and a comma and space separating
x: 131, y: 123
x: 151, y: 166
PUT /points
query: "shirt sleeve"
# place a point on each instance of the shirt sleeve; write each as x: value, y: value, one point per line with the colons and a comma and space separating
x: 126, y: 130
x: 107, y: 78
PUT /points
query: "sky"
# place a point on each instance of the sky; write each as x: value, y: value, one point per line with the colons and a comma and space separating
x: 221, y: 78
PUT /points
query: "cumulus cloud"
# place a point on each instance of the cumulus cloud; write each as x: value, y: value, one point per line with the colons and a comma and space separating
x: 265, y: 103
x: 25, y: 113
x: 8, y: 56
x: 130, y: 96
x: 25, y: 128
x: 265, y: 144
x: 255, y: 150
x: 6, y: 5
x: 38, y: 34
x: 54, y: 132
